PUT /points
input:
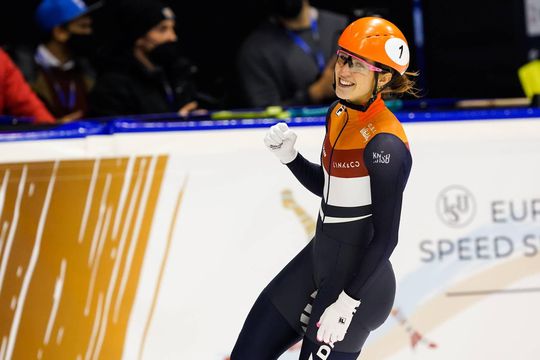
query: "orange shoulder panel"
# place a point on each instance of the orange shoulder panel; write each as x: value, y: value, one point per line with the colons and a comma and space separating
x: 386, y: 122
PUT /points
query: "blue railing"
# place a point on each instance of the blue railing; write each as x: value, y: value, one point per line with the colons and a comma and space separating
x: 298, y: 116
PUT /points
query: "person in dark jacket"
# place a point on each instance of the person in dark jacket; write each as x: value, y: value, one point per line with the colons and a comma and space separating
x: 16, y: 97
x: 146, y: 74
x: 289, y: 59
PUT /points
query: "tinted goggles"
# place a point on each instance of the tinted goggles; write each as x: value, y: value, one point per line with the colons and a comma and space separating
x: 356, y: 64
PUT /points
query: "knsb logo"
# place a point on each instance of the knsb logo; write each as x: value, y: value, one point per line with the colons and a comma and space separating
x: 323, y: 353
x: 381, y: 158
x: 456, y: 206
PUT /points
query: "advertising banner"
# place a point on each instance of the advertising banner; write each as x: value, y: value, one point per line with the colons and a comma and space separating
x: 155, y: 245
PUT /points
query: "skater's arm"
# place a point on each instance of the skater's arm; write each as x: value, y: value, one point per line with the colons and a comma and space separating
x: 309, y: 174
x: 388, y: 162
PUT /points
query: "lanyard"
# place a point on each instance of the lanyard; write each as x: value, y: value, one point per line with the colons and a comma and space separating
x: 318, y: 55
x: 169, y: 94
x: 68, y: 103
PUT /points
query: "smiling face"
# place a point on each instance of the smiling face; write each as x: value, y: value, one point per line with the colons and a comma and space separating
x: 355, y: 78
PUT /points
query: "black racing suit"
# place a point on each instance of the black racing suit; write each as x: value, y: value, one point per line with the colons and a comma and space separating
x: 365, y: 166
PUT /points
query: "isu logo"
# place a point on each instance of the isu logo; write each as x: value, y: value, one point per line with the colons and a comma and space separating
x: 323, y: 353
x: 456, y: 206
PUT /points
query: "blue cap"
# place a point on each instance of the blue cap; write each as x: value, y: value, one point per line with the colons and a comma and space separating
x: 51, y: 13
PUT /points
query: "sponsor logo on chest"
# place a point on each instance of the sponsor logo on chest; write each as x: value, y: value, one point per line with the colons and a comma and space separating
x: 368, y: 131
x: 340, y: 110
x: 345, y: 164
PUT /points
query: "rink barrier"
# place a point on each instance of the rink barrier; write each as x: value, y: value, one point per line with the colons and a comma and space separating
x: 171, y: 122
x: 109, y: 245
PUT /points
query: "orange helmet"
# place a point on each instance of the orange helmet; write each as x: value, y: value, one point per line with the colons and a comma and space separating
x: 378, y: 40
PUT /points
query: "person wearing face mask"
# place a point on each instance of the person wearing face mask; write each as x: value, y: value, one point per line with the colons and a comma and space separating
x: 289, y: 59
x: 59, y: 70
x: 341, y: 286
x: 145, y: 73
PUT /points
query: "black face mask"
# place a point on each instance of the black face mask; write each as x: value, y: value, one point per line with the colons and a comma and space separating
x: 165, y: 54
x: 81, y: 45
x: 288, y: 9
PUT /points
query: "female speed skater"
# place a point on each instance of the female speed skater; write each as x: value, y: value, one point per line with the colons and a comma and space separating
x: 341, y: 286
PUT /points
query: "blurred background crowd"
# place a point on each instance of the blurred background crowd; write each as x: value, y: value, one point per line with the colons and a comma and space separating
x: 64, y: 60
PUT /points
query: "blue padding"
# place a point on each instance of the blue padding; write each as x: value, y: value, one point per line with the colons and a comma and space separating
x: 169, y: 123
x: 11, y: 120
x: 471, y: 115
x: 129, y: 125
x: 73, y: 130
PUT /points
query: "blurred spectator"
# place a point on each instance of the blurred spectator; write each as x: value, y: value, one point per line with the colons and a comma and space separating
x: 59, y: 70
x: 289, y: 59
x: 145, y: 74
x: 16, y: 97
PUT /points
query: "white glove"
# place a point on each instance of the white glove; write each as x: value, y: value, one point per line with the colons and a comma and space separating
x: 336, y: 319
x: 280, y: 140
